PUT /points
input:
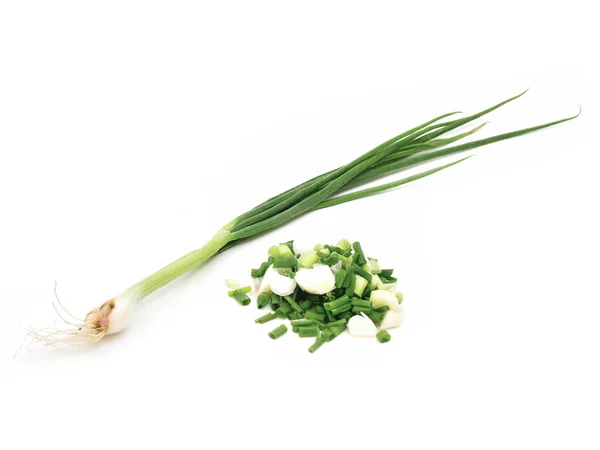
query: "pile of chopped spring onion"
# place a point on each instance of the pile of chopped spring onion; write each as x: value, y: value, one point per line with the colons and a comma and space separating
x: 406, y: 150
x: 324, y: 291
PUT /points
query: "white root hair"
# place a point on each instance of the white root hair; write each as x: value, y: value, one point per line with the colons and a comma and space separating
x: 76, y: 331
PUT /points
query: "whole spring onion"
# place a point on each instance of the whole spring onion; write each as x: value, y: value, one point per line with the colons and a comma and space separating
x: 415, y: 146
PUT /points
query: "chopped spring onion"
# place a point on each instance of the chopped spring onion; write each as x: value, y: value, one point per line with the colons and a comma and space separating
x: 266, y: 318
x: 343, y: 245
x: 326, y: 315
x: 284, y: 310
x: 383, y: 336
x: 341, y: 309
x: 245, y: 289
x: 375, y: 282
x: 400, y: 297
x: 381, y: 298
x: 361, y: 309
x: 363, y: 273
x: 386, y: 273
x: 336, y: 331
x: 275, y: 301
x: 232, y: 284
x: 260, y: 272
x: 361, y: 326
x: 359, y: 257
x: 367, y: 268
x: 241, y: 297
x: 306, y: 304
x: 336, y: 323
x: 376, y: 317
x: 278, y: 332
x: 309, y: 331
x: 406, y: 150
x: 263, y: 300
x: 285, y: 252
x: 318, y: 343
x: 339, y: 278
x: 359, y: 302
x: 349, y: 276
x: 360, y: 284
x: 392, y: 319
x: 285, y: 262
x: 337, y: 303
x: 375, y: 267
x: 308, y: 260
x: 319, y: 280
x: 302, y: 322
x: 295, y: 306
x: 317, y: 317
x: 279, y: 284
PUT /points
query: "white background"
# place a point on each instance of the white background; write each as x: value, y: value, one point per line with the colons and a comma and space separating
x: 131, y: 131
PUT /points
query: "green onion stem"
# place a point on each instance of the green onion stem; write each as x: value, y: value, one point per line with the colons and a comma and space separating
x: 385, y: 169
x: 293, y: 304
x: 318, y: 343
x: 291, y: 196
x: 278, y: 332
x: 407, y: 149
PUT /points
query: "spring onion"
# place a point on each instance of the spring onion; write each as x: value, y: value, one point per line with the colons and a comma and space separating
x: 339, y: 278
x: 275, y: 301
x: 319, y: 342
x: 360, y: 284
x: 361, y: 326
x: 360, y: 302
x: 309, y: 331
x: 232, y: 284
x: 400, y: 297
x: 382, y: 297
x: 263, y: 300
x: 336, y: 331
x: 273, y: 281
x: 318, y: 280
x: 308, y: 260
x: 278, y: 332
x: 284, y: 310
x: 266, y: 318
x: 392, y: 319
x: 360, y: 309
x: 295, y: 306
x: 411, y: 148
x: 383, y: 336
x: 241, y: 297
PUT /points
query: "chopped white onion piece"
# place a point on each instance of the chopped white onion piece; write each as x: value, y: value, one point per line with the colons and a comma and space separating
x: 232, y: 284
x: 361, y: 326
x: 380, y: 297
x: 392, y: 319
x: 274, y: 282
x: 318, y: 280
x: 282, y: 285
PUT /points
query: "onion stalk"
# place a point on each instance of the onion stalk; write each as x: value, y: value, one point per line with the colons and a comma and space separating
x: 406, y: 150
